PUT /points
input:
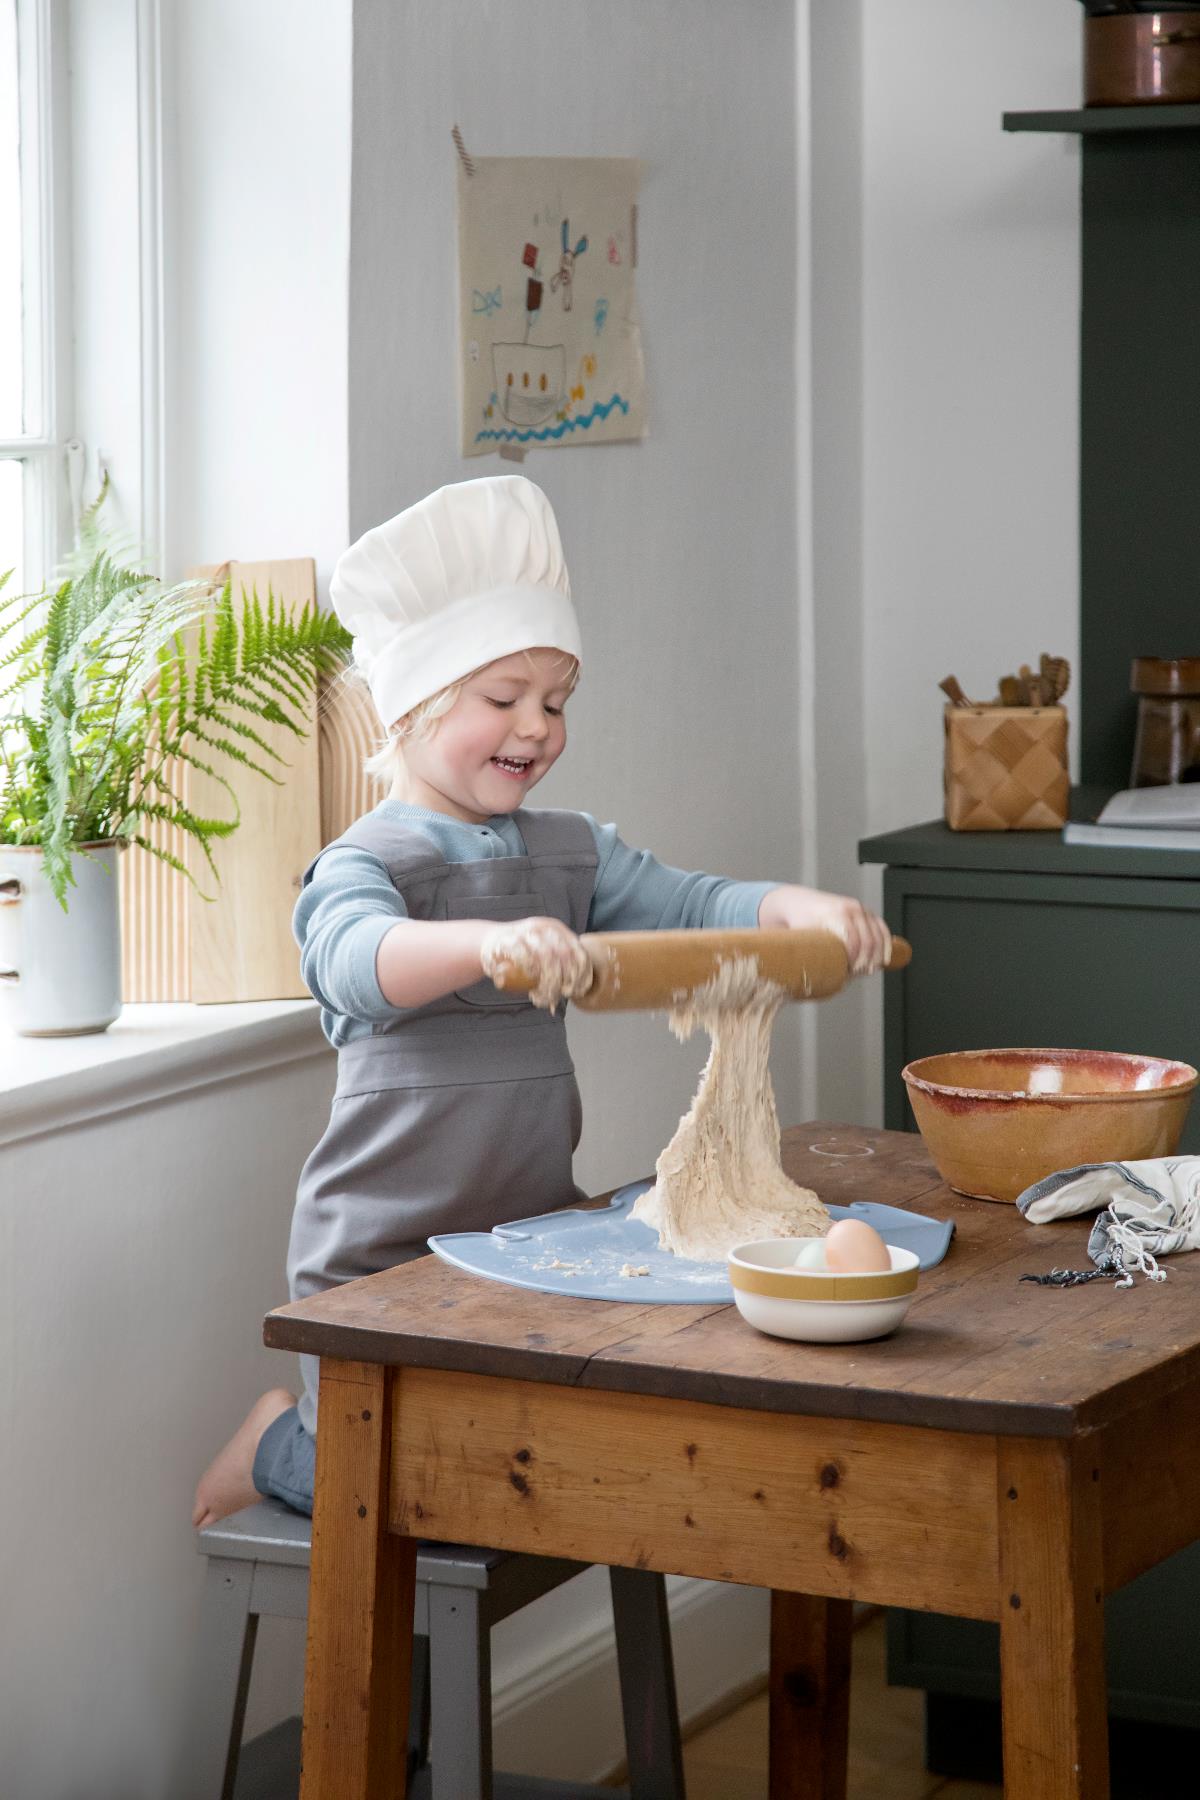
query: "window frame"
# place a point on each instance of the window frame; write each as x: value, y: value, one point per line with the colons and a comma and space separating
x: 51, y: 457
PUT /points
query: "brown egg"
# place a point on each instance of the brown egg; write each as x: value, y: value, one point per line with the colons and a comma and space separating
x: 853, y: 1248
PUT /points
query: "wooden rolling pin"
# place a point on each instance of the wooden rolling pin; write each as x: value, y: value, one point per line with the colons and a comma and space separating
x: 648, y: 971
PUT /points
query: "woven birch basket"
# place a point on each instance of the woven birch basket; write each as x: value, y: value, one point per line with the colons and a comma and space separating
x: 1006, y: 768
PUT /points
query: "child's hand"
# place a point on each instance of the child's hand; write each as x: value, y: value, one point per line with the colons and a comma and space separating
x: 545, y: 951
x: 867, y: 939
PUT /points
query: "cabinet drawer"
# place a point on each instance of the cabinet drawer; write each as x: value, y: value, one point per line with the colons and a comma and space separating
x: 999, y: 959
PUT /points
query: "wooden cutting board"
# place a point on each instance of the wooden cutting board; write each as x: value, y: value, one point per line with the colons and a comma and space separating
x: 242, y: 946
x: 237, y: 945
x: 349, y: 732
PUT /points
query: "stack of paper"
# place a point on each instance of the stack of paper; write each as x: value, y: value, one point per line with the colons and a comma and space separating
x: 1149, y: 818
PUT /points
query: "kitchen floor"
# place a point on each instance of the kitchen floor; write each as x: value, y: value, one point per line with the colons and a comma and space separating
x: 728, y: 1761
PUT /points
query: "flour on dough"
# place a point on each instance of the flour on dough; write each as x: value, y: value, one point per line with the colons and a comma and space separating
x: 555, y: 961
x: 719, y: 1180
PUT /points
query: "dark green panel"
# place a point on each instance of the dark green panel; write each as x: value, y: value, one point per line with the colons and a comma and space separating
x: 1091, y: 119
x: 1006, y: 957
x: 1139, y: 440
x: 934, y: 846
x: 1094, y: 964
x: 1150, y: 1641
x: 1018, y: 938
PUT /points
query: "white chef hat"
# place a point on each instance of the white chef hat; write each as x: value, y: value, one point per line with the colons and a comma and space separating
x: 471, y: 573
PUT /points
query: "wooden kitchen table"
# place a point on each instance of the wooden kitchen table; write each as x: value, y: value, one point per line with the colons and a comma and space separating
x: 1013, y: 1452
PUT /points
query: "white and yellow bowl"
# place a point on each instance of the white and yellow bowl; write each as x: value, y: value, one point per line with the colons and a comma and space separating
x: 818, y: 1306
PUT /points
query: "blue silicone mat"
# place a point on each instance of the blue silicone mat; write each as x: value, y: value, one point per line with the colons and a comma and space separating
x: 582, y: 1253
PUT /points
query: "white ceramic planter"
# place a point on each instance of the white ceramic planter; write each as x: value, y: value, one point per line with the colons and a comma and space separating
x: 60, y: 972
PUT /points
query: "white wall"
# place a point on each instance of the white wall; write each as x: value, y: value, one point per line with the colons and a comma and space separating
x: 138, y: 1253
x: 936, y: 496
x: 682, y: 547
x: 945, y: 324
x: 970, y: 308
x: 138, y: 1239
x: 255, y: 184
x: 695, y: 527
x: 256, y: 202
x: 832, y: 496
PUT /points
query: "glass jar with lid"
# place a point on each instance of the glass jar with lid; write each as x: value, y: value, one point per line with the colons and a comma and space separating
x: 1167, y: 745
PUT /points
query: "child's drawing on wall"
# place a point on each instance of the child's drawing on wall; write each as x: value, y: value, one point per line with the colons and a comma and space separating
x: 566, y: 267
x: 550, y: 347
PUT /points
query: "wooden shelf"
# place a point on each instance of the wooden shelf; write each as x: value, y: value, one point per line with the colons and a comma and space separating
x: 933, y: 845
x: 1088, y: 119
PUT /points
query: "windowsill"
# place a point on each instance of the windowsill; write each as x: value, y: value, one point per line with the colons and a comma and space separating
x: 151, y: 1053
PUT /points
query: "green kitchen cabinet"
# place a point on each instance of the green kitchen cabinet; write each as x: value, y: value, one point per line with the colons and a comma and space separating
x: 1020, y: 939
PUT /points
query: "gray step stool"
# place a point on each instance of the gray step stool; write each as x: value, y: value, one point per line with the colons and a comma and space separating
x: 258, y: 1563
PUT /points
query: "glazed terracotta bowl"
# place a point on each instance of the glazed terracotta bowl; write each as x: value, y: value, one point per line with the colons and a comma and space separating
x: 996, y: 1121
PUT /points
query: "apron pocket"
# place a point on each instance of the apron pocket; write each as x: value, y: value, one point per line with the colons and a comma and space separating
x: 503, y: 908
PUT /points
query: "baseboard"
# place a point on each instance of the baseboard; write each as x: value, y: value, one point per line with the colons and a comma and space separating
x: 560, y: 1714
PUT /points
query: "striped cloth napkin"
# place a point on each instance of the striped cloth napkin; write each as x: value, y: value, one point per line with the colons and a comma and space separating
x: 1150, y: 1209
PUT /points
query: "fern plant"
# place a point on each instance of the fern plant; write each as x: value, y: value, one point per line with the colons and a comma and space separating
x: 113, y: 682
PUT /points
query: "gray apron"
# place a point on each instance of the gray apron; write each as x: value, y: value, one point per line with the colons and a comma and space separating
x: 460, y: 1114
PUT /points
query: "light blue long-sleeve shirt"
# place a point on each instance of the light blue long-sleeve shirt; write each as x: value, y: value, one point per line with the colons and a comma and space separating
x: 350, y: 904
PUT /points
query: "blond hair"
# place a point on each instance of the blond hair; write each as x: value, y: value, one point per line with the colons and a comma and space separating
x: 423, y: 719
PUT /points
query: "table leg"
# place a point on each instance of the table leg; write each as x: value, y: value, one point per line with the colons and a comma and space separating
x: 360, y: 1603
x: 809, y: 1697
x: 1054, y: 1692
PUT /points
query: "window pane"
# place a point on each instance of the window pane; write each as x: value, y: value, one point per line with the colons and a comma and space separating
x: 12, y: 530
x: 11, y: 336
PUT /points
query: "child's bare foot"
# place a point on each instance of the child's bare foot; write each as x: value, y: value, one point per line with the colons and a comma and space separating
x: 227, y: 1485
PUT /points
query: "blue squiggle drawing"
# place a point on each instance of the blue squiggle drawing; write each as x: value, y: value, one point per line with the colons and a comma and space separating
x: 601, y: 410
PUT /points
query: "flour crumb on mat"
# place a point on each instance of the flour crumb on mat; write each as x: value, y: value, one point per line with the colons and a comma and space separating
x: 630, y: 1269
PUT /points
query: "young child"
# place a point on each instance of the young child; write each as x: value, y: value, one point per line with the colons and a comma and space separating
x: 456, y: 1105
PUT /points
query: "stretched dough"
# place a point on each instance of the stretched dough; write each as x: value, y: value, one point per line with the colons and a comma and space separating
x: 719, y: 1180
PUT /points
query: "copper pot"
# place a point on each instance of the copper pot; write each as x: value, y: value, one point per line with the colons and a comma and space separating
x: 1141, y: 59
